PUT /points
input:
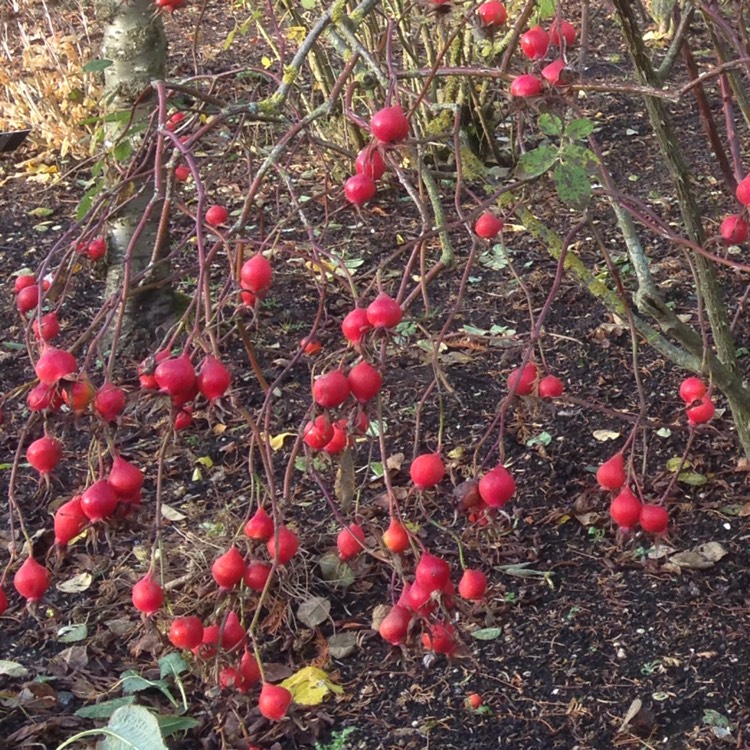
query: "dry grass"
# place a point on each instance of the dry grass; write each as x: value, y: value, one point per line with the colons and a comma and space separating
x: 42, y: 85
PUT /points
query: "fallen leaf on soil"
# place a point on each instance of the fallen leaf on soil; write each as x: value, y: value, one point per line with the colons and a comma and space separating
x: 588, y: 519
x: 37, y: 696
x: 41, y: 729
x: 379, y: 614
x: 660, y: 551
x: 74, y: 657
x: 314, y: 611
x: 72, y: 633
x: 82, y: 687
x: 603, y: 435
x: 171, y: 514
x: 119, y: 626
x: 333, y: 570
x: 693, y: 478
x: 342, y: 645
x: 12, y: 669
x: 133, y: 726
x: 276, y: 441
x: 76, y: 584
x: 395, y: 461
x: 310, y: 686
x: 699, y: 558
x: 345, y: 486
x: 638, y: 719
x: 276, y: 672
x: 486, y: 634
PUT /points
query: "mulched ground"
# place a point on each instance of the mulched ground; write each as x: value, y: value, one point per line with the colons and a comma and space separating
x: 580, y: 622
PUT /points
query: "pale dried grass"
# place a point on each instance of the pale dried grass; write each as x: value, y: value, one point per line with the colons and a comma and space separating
x: 42, y: 85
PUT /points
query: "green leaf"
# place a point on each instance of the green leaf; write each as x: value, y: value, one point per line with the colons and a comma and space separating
x: 545, y: 9
x: 693, y: 478
x: 537, y: 162
x: 72, y: 633
x: 487, y: 634
x: 495, y: 258
x: 41, y: 212
x: 170, y: 725
x: 88, y: 198
x: 133, y: 728
x: 474, y: 331
x: 96, y: 66
x: 309, y: 4
x: 123, y: 150
x: 550, y: 124
x: 579, y: 129
x: 543, y: 438
x: 715, y: 719
x: 675, y: 463
x: 580, y: 155
x: 132, y: 682
x: 106, y: 709
x: 373, y: 430
x: 122, y: 116
x: 172, y: 665
x: 573, y: 185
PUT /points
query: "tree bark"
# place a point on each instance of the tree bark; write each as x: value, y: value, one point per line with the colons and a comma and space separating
x: 733, y: 388
x: 135, y: 42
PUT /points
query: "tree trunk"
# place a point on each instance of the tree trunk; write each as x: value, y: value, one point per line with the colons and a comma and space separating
x: 135, y: 42
x: 737, y: 395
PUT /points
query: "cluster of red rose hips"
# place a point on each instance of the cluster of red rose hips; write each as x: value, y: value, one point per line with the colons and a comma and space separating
x: 734, y: 229
x: 698, y: 404
x: 363, y: 381
x: 535, y: 44
x: 432, y: 588
x: 59, y: 384
x: 388, y: 126
x: 229, y: 571
x: 94, y: 250
x: 626, y: 510
x: 420, y: 601
x: 27, y: 291
x: 525, y: 381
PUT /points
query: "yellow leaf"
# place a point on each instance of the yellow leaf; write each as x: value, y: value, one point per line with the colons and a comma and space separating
x: 197, y: 475
x: 457, y: 453
x: 206, y: 461
x: 321, y: 268
x: 266, y: 62
x: 310, y: 686
x: 296, y: 33
x: 277, y: 441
